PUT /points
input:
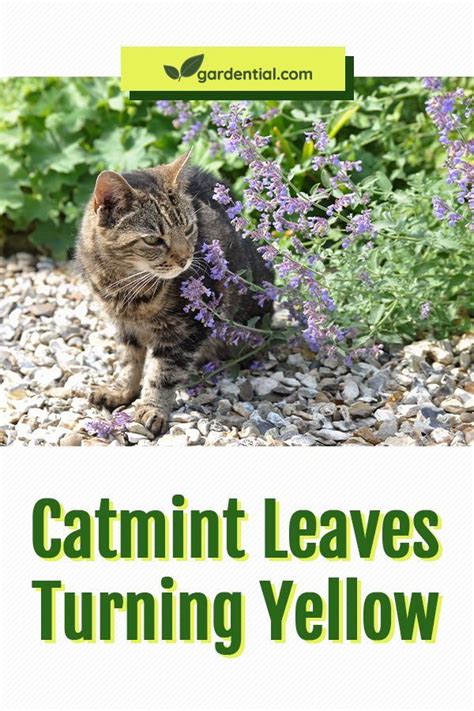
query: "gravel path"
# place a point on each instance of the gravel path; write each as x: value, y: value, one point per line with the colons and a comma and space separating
x: 54, y: 345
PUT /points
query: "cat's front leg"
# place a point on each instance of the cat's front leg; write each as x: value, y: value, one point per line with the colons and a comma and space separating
x: 126, y: 386
x: 166, y: 370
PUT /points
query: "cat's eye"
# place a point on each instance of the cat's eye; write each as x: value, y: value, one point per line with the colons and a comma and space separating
x: 154, y: 241
x: 189, y: 229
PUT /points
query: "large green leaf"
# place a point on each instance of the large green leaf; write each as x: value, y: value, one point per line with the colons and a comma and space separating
x: 119, y: 151
x: 68, y: 158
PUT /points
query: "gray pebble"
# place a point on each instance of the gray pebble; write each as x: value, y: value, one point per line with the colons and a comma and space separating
x: 54, y: 344
x: 71, y: 440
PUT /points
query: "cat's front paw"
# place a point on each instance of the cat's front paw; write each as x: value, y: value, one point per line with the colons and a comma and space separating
x: 110, y: 397
x: 152, y: 417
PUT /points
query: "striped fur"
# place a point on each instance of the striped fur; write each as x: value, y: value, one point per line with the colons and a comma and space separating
x: 139, y: 240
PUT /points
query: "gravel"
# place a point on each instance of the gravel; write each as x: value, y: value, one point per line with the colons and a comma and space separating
x: 54, y: 345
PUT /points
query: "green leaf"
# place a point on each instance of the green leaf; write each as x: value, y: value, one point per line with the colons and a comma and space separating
x: 280, y: 336
x: 56, y: 239
x: 35, y: 207
x: 11, y: 137
x: 376, y: 313
x: 11, y: 197
x: 123, y: 150
x: 308, y: 150
x: 117, y: 103
x: 299, y: 114
x: 325, y: 178
x: 67, y: 160
x: 343, y: 120
x: 172, y: 72
x: 190, y: 66
x: 390, y: 337
x: 385, y: 183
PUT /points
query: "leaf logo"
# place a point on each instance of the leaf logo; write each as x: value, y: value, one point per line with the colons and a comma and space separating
x: 189, y: 67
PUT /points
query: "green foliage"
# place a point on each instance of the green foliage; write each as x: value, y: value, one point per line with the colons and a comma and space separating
x: 57, y: 134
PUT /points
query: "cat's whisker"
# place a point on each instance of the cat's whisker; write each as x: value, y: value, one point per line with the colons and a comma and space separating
x: 126, y: 278
x: 193, y: 266
x: 136, y: 288
x: 126, y: 287
x: 198, y: 267
x: 198, y: 259
x: 134, y: 292
x: 154, y: 283
x: 157, y: 284
x: 201, y: 263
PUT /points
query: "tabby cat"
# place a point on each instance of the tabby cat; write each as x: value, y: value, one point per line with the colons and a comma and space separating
x: 139, y: 240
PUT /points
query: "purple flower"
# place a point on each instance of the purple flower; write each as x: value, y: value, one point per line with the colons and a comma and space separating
x: 440, y: 207
x: 184, y: 114
x: 194, y: 390
x: 268, y: 252
x: 239, y: 223
x: 425, y: 310
x: 101, y: 428
x: 166, y: 107
x: 120, y: 419
x: 432, y: 83
x: 194, y: 292
x: 453, y: 218
x: 209, y: 367
x: 447, y: 104
x: 319, y: 162
x: 214, y: 256
x: 319, y: 135
x: 193, y: 131
x: 318, y: 226
x: 270, y: 113
x: 231, y: 126
x: 222, y: 194
x: 359, y: 225
x: 235, y: 210
x: 341, y: 203
x: 450, y: 112
x: 104, y: 428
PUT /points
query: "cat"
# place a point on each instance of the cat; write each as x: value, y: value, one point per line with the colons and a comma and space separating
x: 140, y: 238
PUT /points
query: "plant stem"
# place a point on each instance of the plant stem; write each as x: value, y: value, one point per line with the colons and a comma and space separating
x: 234, y: 361
x: 376, y: 326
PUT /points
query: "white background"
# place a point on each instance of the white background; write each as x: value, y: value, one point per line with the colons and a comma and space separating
x: 386, y: 37
x: 267, y: 675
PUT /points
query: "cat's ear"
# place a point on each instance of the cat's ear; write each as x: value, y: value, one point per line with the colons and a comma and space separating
x: 110, y: 188
x: 173, y: 171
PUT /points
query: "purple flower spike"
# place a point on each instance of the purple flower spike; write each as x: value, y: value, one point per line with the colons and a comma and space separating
x: 221, y: 194
x: 101, y: 428
x: 120, y: 419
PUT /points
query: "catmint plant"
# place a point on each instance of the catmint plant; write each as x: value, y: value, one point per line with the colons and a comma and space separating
x: 105, y: 428
x: 340, y: 241
x: 270, y: 209
x: 451, y: 112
